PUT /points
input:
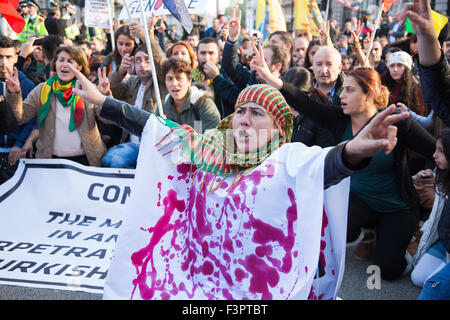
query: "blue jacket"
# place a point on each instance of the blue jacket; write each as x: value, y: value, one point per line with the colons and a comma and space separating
x: 20, y: 135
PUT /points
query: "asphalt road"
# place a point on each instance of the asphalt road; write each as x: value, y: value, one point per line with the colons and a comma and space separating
x: 354, y: 287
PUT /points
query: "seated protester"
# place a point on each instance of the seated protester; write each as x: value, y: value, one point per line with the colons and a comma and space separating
x: 211, y: 73
x: 240, y: 74
x: 137, y: 90
x: 12, y: 142
x: 67, y: 126
x: 186, y: 103
x: 381, y: 195
x: 432, y: 260
x: 306, y: 130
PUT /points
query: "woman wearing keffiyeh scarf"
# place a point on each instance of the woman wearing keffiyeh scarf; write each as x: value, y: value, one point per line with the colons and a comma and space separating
x: 236, y: 212
x: 67, y: 125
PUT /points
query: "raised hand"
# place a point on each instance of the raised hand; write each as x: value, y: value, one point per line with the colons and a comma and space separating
x: 12, y: 82
x: 259, y: 64
x: 234, y: 25
x: 126, y: 64
x: 379, y: 134
x: 419, y: 13
x: 85, y: 88
x: 211, y: 70
x: 136, y: 30
x: 325, y: 34
x: 103, y: 81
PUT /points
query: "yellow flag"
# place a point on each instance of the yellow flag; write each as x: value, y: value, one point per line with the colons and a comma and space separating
x: 439, y: 21
x: 277, y: 20
x: 307, y: 16
x: 260, y: 13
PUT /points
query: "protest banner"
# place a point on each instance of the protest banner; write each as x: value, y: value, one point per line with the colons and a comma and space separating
x: 157, y: 7
x: 97, y: 14
x: 59, y: 224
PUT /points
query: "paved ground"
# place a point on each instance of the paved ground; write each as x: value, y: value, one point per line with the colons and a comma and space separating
x: 354, y: 287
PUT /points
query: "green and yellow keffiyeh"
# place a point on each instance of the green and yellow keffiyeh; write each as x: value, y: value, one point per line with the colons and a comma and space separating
x: 210, y: 152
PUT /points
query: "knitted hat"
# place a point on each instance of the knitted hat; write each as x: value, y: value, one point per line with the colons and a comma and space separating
x: 400, y: 57
x: 272, y: 101
x: 209, y: 151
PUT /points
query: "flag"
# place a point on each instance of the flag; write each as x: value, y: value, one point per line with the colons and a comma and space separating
x: 439, y: 21
x: 14, y: 19
x: 388, y: 5
x: 351, y: 4
x: 178, y: 9
x: 276, y: 16
x: 307, y: 16
x: 260, y: 14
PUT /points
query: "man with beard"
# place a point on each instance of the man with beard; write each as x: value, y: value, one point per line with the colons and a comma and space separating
x: 210, y: 73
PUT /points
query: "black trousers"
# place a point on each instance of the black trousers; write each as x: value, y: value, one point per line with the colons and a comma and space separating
x: 394, y: 231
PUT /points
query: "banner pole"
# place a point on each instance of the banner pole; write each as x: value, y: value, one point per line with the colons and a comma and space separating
x: 150, y: 56
x: 111, y: 14
x: 374, y: 31
x: 136, y: 39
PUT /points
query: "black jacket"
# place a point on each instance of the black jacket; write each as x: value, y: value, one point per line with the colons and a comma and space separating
x: 410, y: 135
x: 435, y: 83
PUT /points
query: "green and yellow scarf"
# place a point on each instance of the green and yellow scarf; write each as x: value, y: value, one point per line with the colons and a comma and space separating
x: 63, y: 92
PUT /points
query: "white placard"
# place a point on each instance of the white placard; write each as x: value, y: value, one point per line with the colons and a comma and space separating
x: 60, y: 223
x: 157, y: 7
x: 97, y: 14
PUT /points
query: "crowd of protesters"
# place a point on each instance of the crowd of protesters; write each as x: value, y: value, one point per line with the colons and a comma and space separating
x: 200, y: 76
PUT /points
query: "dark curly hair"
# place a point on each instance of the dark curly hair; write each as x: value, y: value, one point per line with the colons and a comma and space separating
x: 409, y: 92
x: 178, y: 66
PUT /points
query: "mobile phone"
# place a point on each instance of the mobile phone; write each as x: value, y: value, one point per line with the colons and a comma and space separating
x: 37, y: 42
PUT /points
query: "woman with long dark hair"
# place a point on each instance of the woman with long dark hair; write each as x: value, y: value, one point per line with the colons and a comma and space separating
x: 124, y: 44
x: 401, y: 83
x: 381, y: 195
x: 432, y: 259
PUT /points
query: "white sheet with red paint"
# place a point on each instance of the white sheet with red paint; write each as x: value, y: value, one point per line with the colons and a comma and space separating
x: 184, y: 239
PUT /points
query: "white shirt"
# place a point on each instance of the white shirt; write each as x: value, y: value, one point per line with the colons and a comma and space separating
x: 65, y: 143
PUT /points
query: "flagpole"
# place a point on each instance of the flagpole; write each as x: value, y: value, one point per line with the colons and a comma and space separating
x: 111, y: 13
x: 136, y: 39
x: 326, y: 12
x: 152, y: 63
x: 372, y: 36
